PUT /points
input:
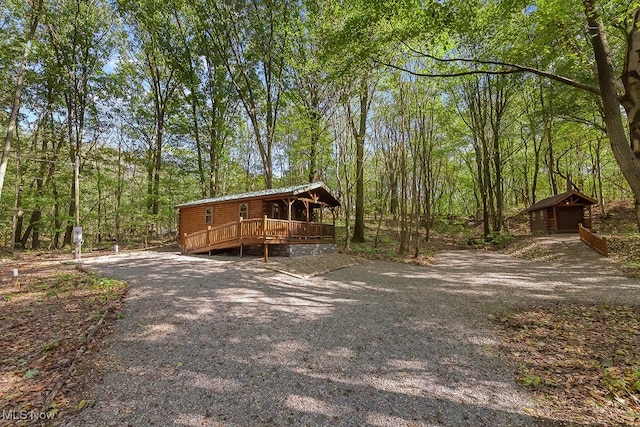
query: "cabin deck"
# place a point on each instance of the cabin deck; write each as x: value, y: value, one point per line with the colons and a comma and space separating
x: 263, y: 231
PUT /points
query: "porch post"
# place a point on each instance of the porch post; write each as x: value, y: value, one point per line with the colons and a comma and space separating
x: 239, y: 233
x: 333, y: 215
x: 289, y: 205
x: 264, y: 237
x: 306, y: 205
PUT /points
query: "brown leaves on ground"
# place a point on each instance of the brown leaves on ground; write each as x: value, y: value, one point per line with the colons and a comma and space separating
x: 45, y: 316
x: 626, y: 250
x: 583, y: 362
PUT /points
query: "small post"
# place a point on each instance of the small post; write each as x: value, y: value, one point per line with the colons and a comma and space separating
x: 77, y: 239
x: 15, y: 278
x: 208, y: 235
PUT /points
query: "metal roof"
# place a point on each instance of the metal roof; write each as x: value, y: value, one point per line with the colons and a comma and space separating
x: 291, y: 191
x: 556, y: 200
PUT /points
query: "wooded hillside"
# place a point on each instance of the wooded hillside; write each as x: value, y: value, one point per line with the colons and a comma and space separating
x: 408, y: 110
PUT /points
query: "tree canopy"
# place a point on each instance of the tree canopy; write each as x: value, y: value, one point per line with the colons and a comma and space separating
x: 411, y: 110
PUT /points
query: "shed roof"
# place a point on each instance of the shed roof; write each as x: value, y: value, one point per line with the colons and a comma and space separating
x: 323, y: 193
x: 560, y: 199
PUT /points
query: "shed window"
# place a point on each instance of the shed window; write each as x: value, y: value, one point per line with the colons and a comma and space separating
x: 275, y: 210
x: 244, y: 210
x: 208, y: 215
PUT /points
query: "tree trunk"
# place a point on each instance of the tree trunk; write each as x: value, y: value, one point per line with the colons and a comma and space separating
x: 196, y: 133
x: 119, y: 189
x: 15, y: 106
x: 359, y: 134
x: 155, y: 207
x: 57, y: 220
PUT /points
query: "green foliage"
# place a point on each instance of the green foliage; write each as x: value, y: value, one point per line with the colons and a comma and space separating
x: 30, y: 373
x: 247, y: 89
x: 501, y: 240
x: 530, y: 380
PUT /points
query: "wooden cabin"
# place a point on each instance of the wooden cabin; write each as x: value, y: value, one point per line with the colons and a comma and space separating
x: 561, y: 213
x: 279, y: 217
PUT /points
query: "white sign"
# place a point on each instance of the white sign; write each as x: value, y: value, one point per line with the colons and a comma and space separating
x: 77, y: 234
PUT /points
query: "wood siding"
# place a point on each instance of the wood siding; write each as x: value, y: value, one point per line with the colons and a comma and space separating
x: 539, y: 221
x: 255, y: 209
x: 192, y: 219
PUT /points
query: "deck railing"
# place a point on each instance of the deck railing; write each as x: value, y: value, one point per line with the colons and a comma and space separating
x: 263, y: 229
x: 597, y: 243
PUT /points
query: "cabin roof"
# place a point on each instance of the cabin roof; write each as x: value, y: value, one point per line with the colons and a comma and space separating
x: 321, y: 190
x: 559, y: 199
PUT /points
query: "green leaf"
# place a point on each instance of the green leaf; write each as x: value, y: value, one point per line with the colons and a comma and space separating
x: 81, y: 405
x: 30, y: 373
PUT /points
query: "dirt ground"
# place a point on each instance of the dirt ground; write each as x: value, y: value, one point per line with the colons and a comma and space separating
x: 373, y: 343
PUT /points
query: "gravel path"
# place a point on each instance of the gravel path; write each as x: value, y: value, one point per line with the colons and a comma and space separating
x: 224, y: 342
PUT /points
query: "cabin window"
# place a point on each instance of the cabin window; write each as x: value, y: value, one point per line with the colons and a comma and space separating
x: 275, y: 210
x: 208, y: 215
x: 244, y: 210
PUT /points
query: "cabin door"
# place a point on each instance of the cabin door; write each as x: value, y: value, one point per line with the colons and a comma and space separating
x: 569, y: 217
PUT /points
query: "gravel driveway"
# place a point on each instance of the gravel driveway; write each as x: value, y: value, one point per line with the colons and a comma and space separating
x: 224, y: 342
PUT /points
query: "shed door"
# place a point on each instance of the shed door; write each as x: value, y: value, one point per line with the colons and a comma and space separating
x: 569, y: 217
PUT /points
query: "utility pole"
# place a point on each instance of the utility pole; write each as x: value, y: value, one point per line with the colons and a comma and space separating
x: 77, y: 232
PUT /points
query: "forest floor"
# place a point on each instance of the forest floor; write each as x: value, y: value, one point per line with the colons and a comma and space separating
x: 50, y: 313
x: 570, y: 356
x: 576, y: 356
